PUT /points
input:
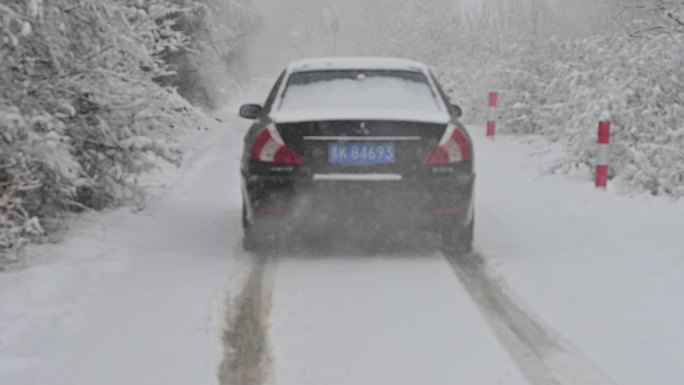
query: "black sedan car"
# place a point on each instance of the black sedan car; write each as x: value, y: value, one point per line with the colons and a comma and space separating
x: 357, y: 143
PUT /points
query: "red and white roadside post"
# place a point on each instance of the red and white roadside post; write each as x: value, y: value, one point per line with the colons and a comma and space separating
x: 450, y: 95
x: 491, y: 114
x: 602, y: 155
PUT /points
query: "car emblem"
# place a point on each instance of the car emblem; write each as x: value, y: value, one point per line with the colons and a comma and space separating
x: 362, y: 130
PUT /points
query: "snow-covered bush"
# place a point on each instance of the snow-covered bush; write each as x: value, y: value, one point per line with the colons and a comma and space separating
x: 156, y: 23
x: 560, y: 68
x: 81, y: 115
x: 636, y: 83
x: 206, y: 60
x: 220, y: 29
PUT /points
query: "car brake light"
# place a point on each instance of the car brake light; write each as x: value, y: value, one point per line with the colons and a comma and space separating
x: 453, y: 148
x: 269, y: 147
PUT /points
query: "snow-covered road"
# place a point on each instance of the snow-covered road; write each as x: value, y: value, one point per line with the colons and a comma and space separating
x: 403, y: 315
x: 568, y: 286
x: 394, y: 319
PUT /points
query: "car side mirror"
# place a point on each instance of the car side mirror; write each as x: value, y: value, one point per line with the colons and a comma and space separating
x: 251, y: 111
x: 456, y: 110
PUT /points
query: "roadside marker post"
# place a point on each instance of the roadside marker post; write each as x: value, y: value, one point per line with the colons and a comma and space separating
x: 450, y: 95
x: 491, y: 114
x: 602, y: 155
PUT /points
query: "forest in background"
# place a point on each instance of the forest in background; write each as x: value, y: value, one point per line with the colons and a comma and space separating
x: 559, y: 66
x: 92, y: 94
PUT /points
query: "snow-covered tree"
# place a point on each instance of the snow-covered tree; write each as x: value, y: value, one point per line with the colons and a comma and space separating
x: 80, y: 112
x: 561, y: 68
x: 651, y: 16
x: 209, y: 61
x: 629, y: 71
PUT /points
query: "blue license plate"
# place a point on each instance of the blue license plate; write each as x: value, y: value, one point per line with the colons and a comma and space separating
x: 361, y: 153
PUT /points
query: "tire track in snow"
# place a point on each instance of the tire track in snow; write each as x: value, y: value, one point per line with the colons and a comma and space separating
x: 538, y: 352
x: 245, y: 340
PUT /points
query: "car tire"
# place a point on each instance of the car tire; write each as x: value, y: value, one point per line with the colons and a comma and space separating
x: 457, y: 239
x: 245, y: 221
x: 250, y: 237
x: 256, y: 236
x: 250, y: 240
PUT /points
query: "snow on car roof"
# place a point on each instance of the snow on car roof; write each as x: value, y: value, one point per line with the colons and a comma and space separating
x: 352, y: 63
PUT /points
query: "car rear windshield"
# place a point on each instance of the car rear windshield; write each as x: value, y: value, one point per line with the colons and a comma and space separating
x: 359, y: 90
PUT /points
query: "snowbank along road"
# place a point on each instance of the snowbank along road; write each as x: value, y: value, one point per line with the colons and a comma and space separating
x: 167, y: 296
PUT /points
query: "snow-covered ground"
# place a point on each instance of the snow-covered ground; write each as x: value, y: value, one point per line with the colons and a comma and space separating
x: 398, y: 319
x: 135, y: 297
x: 139, y: 297
x: 604, y: 270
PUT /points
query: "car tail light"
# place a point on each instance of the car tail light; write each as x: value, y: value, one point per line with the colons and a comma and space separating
x: 269, y: 147
x: 453, y: 148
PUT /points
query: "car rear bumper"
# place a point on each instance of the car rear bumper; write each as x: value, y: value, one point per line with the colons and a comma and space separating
x: 322, y: 202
